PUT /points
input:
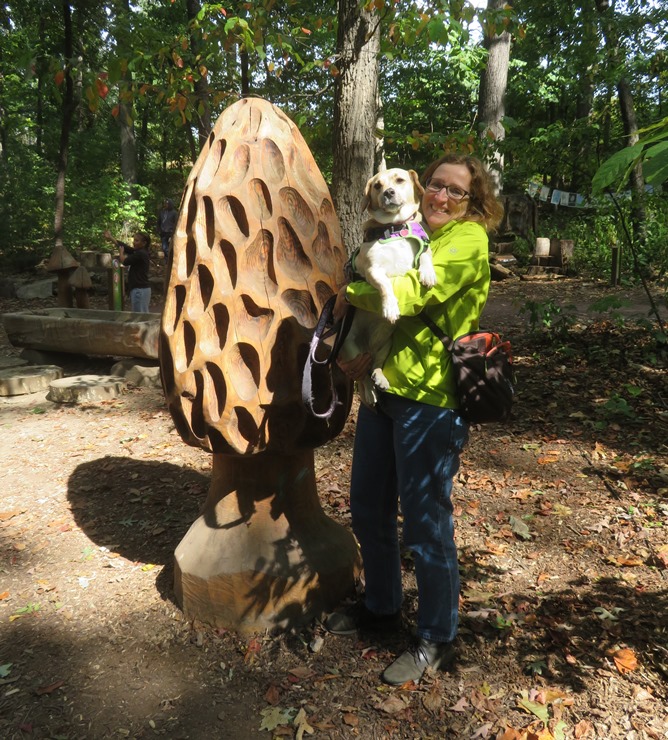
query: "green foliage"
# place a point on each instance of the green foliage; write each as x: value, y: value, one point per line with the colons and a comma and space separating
x: 549, y: 316
x: 149, y: 63
x: 651, y: 152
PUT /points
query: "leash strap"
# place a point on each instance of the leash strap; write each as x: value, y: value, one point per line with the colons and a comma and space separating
x: 340, y: 329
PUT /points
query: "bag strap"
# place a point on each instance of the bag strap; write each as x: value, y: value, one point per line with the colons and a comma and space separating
x: 340, y: 329
x: 447, y: 342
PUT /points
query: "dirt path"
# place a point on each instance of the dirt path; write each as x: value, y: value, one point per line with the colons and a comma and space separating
x: 562, y: 526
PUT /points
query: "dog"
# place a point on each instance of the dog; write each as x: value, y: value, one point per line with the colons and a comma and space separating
x: 393, y: 241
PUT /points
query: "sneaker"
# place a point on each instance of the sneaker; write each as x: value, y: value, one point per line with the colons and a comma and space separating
x: 358, y: 617
x: 411, y: 664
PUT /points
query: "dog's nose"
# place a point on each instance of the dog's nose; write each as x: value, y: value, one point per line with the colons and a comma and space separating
x: 389, y: 193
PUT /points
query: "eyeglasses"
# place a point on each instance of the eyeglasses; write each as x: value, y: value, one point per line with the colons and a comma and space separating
x: 452, y: 191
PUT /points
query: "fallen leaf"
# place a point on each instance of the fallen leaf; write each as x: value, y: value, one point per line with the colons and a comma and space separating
x: 253, y: 649
x: 548, y: 459
x: 461, y: 706
x: 302, y: 672
x: 5, y: 515
x: 392, y: 705
x: 352, y: 720
x: 583, y: 730
x: 4, y: 595
x: 273, y: 717
x: 520, y: 528
x: 662, y: 556
x: 302, y: 725
x: 433, y: 700
x: 50, y: 688
x: 482, y: 732
x: 533, y: 707
x: 625, y: 561
x: 625, y: 660
x: 272, y: 695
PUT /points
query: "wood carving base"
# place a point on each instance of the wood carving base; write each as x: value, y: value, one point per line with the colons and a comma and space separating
x: 263, y: 555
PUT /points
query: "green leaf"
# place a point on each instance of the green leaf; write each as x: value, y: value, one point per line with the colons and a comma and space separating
x: 5, y: 670
x: 655, y: 166
x: 614, y: 169
x: 540, y: 710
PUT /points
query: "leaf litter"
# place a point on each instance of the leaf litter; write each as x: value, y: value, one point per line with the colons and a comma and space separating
x: 562, y: 522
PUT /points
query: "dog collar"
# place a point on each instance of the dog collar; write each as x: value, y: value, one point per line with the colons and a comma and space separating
x: 392, y: 232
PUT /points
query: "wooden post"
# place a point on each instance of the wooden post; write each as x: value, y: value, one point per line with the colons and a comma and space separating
x: 616, y: 264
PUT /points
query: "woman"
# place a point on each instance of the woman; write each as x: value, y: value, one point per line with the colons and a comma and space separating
x: 407, y: 448
x: 136, y: 259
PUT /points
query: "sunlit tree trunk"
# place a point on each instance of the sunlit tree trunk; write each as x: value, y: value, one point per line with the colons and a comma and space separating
x: 67, y: 109
x: 203, y: 105
x: 125, y: 107
x: 618, y: 61
x: 493, y: 83
x: 355, y: 97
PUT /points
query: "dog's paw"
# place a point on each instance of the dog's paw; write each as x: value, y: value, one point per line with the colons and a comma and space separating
x: 426, y: 271
x: 380, y: 381
x: 391, y: 311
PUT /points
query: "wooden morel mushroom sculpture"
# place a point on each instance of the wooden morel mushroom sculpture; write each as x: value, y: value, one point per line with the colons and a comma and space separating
x: 256, y: 253
x: 63, y: 264
x: 81, y: 283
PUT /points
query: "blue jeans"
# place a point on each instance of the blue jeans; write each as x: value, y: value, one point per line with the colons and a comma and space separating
x: 166, y: 240
x: 140, y: 299
x: 409, y: 452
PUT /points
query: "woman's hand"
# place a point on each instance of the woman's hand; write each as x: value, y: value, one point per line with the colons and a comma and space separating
x: 340, y: 305
x: 358, y: 367
x: 108, y: 236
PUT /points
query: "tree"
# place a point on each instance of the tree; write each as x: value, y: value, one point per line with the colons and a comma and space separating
x: 617, y: 61
x: 493, y: 82
x: 355, y: 99
x: 67, y: 111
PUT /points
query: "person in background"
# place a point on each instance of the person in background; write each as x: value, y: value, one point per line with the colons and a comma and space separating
x: 136, y: 259
x: 167, y: 225
x: 407, y: 448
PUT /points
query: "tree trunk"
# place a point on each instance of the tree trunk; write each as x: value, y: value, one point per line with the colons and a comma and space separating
x: 617, y: 59
x: 125, y: 108
x: 355, y: 100
x: 627, y: 109
x: 202, y: 104
x: 65, y: 126
x: 493, y: 83
x: 245, y: 73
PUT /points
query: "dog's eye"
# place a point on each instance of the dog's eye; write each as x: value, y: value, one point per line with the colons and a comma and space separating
x: 377, y: 186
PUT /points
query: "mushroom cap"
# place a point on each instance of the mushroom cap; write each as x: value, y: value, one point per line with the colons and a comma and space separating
x: 80, y: 279
x: 60, y: 259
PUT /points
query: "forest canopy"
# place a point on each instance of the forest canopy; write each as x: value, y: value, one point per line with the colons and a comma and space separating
x: 105, y: 106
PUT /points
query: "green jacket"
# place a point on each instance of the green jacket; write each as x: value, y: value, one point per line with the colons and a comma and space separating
x: 418, y: 366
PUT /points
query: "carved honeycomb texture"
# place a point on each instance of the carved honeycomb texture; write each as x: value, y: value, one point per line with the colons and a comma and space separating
x: 256, y: 253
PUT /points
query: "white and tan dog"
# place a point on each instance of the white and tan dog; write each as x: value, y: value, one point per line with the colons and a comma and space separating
x: 394, y: 241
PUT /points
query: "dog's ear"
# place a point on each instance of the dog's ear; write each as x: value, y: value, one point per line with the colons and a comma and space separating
x: 366, y: 200
x: 417, y: 188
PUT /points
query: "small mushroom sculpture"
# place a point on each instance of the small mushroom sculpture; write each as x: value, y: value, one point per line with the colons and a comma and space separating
x: 63, y: 264
x: 256, y: 253
x: 81, y: 283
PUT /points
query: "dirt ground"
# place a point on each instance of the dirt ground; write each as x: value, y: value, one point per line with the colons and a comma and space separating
x: 562, y: 525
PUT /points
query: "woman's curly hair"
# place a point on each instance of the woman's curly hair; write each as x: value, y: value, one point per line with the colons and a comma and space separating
x: 483, y: 206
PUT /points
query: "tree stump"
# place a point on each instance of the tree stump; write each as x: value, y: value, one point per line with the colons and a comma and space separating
x: 256, y: 253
